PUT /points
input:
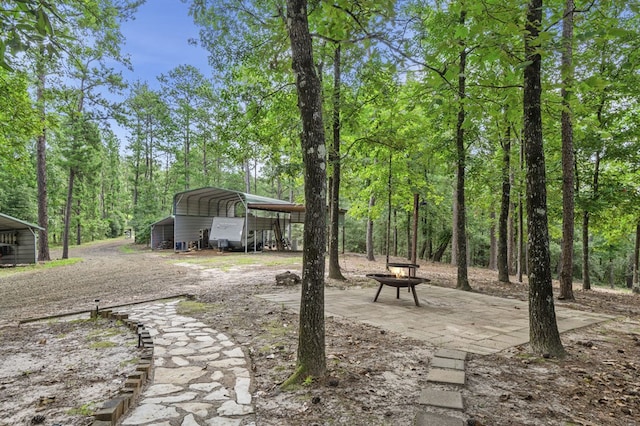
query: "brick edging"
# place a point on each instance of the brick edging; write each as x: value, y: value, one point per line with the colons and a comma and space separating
x: 113, y: 409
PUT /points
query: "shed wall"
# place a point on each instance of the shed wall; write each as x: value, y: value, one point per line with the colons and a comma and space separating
x: 187, y: 228
x: 24, y: 252
x: 161, y: 233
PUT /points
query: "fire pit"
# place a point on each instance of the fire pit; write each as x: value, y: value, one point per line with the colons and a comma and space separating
x: 398, y: 282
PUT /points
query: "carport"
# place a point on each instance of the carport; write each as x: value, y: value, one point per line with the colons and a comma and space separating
x: 194, y: 210
x: 162, y: 233
x: 18, y: 241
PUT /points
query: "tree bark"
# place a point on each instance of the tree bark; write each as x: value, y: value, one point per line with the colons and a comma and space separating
x: 543, y: 328
x: 505, y: 203
x: 369, y: 241
x: 493, y: 242
x: 334, y: 158
x: 461, y: 223
x: 636, y: 258
x: 409, y: 239
x: 454, y: 228
x: 568, y: 219
x: 41, y: 155
x: 512, y: 238
x: 311, y: 359
x: 247, y: 176
x: 586, y: 277
x: 414, y: 241
x: 67, y: 215
x: 521, y: 260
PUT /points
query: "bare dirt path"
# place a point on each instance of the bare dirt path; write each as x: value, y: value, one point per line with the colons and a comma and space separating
x: 107, y: 272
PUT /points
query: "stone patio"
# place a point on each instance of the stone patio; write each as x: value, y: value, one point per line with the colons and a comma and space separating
x: 447, y: 318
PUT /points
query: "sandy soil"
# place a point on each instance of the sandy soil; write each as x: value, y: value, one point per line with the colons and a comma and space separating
x: 375, y: 376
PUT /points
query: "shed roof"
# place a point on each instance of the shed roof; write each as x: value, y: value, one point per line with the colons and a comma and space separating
x: 209, y: 193
x: 169, y: 220
x: 7, y: 223
x: 210, y: 201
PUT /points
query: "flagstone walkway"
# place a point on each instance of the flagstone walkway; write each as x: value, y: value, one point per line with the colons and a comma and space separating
x: 200, y: 376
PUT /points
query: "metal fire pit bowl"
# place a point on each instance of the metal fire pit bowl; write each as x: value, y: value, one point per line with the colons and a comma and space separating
x: 398, y: 282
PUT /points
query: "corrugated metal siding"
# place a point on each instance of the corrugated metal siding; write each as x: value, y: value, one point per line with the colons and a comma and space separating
x: 161, y: 233
x: 24, y: 252
x: 187, y: 227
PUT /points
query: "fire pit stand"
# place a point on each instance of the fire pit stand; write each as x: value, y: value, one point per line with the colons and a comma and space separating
x: 398, y: 282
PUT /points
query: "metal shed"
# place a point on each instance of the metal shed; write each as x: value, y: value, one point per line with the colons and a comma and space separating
x: 18, y: 241
x: 194, y: 210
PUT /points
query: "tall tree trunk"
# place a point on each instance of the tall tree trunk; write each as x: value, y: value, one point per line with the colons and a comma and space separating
x: 247, y: 177
x: 505, y: 203
x: 454, y: 228
x: 43, y: 214
x: 521, y: 263
x: 395, y: 233
x: 586, y: 267
x: 389, y: 207
x: 512, y: 237
x: 636, y: 259
x: 369, y: 241
x: 566, y: 273
x: 586, y: 277
x: 416, y: 217
x: 461, y: 228
x: 543, y: 328
x: 311, y: 359
x: 334, y: 158
x: 79, y: 223
x: 67, y: 214
x: 409, y: 255
x: 493, y: 250
x: 611, y: 273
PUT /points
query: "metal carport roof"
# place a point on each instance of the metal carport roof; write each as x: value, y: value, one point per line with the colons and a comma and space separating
x: 211, y: 201
x: 7, y: 223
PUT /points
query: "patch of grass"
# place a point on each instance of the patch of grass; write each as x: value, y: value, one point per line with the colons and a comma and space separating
x: 225, y: 262
x: 278, y: 328
x: 128, y: 249
x: 102, y: 345
x: 131, y: 361
x: 7, y: 272
x: 84, y: 410
x: 190, y: 307
x: 103, y: 332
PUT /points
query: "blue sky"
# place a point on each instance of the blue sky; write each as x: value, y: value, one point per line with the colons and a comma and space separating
x: 157, y: 41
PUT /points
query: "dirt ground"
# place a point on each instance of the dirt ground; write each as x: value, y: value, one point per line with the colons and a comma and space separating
x: 59, y: 369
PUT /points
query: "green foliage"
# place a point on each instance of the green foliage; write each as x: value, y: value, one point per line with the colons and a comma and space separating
x: 84, y: 410
x: 25, y: 23
x: 6, y: 272
x: 399, y: 101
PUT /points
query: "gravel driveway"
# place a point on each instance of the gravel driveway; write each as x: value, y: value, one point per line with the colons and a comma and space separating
x: 106, y: 272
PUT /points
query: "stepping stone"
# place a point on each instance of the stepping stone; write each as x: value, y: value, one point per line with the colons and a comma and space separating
x: 431, y: 419
x: 451, y: 353
x: 439, y: 375
x: 441, y: 398
x: 454, y: 364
